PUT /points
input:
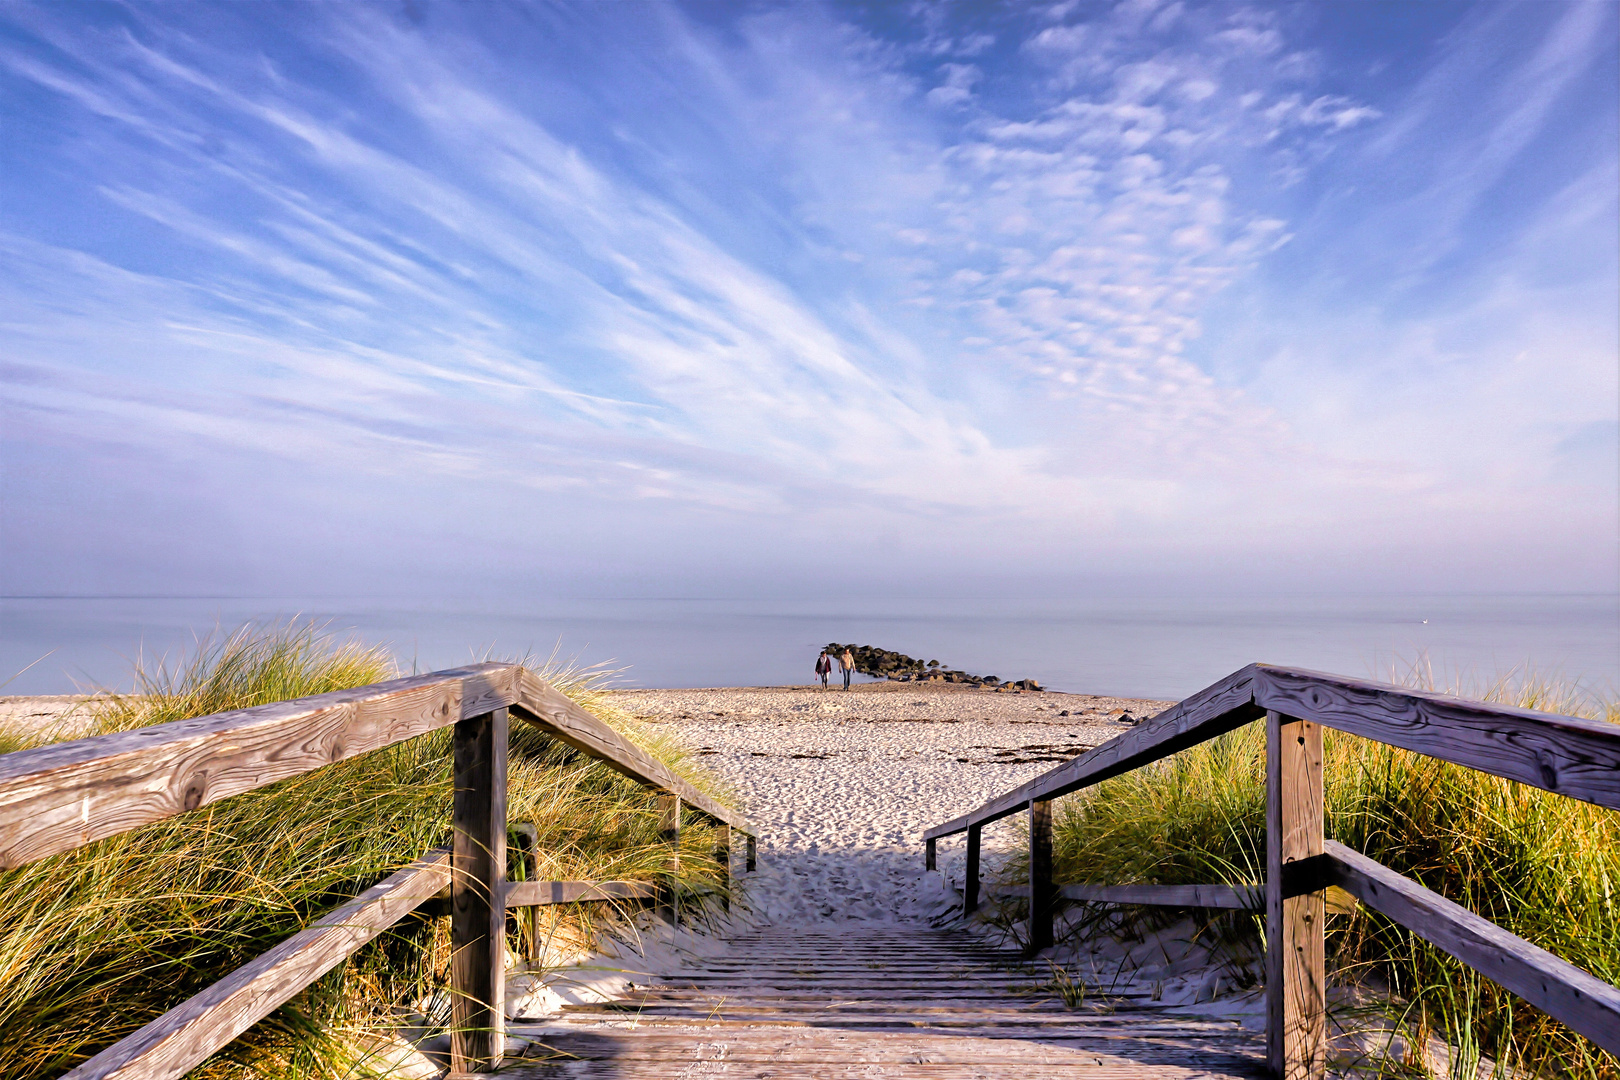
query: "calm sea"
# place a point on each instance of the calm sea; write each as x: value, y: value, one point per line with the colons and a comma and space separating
x: 1157, y: 647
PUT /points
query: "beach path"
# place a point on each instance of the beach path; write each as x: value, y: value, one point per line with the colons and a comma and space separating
x: 841, y: 785
x: 870, y: 1000
x: 850, y: 961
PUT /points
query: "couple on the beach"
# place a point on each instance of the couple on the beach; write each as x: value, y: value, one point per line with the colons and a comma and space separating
x: 846, y: 664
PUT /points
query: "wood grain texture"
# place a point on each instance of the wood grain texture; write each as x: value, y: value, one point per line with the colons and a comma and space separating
x: 59, y: 797
x: 1558, y: 988
x: 1224, y: 897
x: 538, y: 703
x: 1215, y: 897
x: 970, y: 876
x: 541, y: 893
x: 186, y: 1035
x: 751, y: 857
x: 862, y: 1000
x: 477, y: 893
x: 1218, y: 709
x: 1569, y: 755
x: 1042, y: 894
x: 1565, y: 754
x: 1296, y: 959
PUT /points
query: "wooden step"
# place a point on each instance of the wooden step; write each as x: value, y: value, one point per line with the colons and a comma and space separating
x: 923, y: 994
x: 877, y: 1002
x: 776, y: 1053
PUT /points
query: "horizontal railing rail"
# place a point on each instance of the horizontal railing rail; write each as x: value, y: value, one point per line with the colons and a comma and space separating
x: 62, y: 796
x: 1566, y: 755
x: 1214, y: 897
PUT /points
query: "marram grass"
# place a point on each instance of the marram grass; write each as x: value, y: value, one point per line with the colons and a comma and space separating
x: 97, y: 942
x: 1543, y: 866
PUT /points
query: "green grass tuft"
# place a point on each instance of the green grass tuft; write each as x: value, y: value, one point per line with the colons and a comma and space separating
x: 97, y: 942
x: 1543, y: 866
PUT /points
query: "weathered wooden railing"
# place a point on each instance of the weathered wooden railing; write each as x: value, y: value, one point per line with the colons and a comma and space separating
x: 60, y: 797
x: 1567, y: 755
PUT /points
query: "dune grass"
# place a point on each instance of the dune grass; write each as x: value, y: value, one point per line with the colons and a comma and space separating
x: 1543, y: 866
x: 97, y: 942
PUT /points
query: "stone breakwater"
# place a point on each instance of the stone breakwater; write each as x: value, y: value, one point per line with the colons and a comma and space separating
x: 898, y: 667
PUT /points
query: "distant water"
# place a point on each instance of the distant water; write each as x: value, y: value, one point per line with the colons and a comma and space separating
x: 1158, y: 648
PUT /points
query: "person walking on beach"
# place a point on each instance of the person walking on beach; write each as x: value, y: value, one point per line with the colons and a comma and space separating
x: 823, y: 667
x: 846, y: 664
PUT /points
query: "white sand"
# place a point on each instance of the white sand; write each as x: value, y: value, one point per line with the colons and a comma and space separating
x: 841, y: 785
x: 49, y: 717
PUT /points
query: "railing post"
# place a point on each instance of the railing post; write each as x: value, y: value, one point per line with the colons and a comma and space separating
x: 970, y: 879
x: 1296, y: 999
x: 669, y: 830
x: 477, y: 894
x: 930, y: 855
x: 722, y: 856
x: 753, y: 855
x: 1041, y: 892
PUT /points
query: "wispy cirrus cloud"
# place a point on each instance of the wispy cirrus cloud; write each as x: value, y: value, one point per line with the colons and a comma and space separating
x: 806, y: 271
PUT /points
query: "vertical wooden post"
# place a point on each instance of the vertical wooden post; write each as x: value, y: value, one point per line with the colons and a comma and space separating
x: 1041, y: 892
x: 970, y: 879
x: 753, y: 853
x: 477, y: 894
x: 1296, y: 998
x: 930, y: 855
x: 669, y: 830
x: 722, y: 855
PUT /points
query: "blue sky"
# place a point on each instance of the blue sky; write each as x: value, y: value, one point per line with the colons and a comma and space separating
x: 734, y: 299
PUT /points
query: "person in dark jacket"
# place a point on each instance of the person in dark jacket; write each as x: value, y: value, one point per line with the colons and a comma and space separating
x: 823, y: 667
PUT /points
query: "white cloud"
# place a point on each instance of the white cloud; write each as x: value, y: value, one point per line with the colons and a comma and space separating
x: 957, y: 89
x: 796, y: 294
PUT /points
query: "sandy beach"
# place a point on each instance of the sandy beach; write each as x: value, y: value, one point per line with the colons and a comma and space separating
x: 842, y: 784
x: 51, y: 716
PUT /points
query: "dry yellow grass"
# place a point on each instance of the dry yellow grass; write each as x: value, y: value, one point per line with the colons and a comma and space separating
x: 97, y: 942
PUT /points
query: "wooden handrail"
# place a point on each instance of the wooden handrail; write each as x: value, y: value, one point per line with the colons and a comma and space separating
x: 1555, y: 986
x: 1230, y: 897
x: 542, y: 893
x: 1227, y: 705
x: 544, y: 706
x: 1563, y: 754
x: 1566, y: 755
x: 60, y: 797
x: 183, y: 1037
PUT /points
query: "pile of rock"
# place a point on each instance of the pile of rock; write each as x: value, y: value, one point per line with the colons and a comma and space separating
x: 898, y: 667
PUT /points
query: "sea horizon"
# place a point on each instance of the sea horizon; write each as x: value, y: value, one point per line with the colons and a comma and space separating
x: 1146, y: 646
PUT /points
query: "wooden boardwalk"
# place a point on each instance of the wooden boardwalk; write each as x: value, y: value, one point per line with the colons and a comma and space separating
x: 868, y: 1001
x: 858, y: 1001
